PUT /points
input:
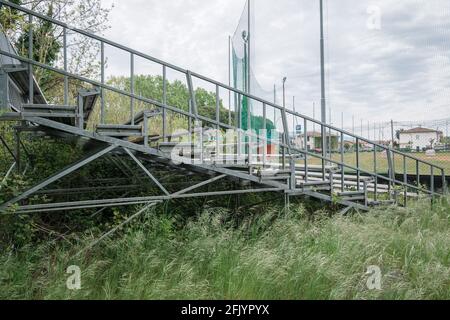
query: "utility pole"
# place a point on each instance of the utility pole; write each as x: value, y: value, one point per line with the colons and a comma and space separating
x: 294, y: 117
x: 284, y: 92
x: 375, y: 131
x: 314, y: 117
x: 274, y: 94
x: 249, y: 47
x: 322, y: 76
x: 229, y: 80
x: 353, y: 124
x: 392, y: 133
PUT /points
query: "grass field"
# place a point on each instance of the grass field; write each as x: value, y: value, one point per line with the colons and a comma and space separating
x: 367, y: 162
x: 269, y: 256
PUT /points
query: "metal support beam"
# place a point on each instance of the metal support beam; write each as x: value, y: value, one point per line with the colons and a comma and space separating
x: 139, y: 163
x: 57, y: 176
x: 201, y: 184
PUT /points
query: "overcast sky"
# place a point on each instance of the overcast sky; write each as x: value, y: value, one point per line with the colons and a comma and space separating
x: 395, y: 67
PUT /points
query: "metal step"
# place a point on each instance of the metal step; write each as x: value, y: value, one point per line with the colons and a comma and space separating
x: 48, y: 107
x: 48, y: 111
x: 354, y: 198
x: 314, y: 183
x: 119, y: 131
x: 139, y: 117
x: 350, y: 193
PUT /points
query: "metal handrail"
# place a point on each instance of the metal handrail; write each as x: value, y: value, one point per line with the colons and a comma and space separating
x: 192, y: 113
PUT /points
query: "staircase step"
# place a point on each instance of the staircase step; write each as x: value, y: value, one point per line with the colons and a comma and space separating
x: 48, y: 115
x: 356, y: 198
x: 139, y: 117
x: 314, y: 183
x: 48, y: 108
x: 350, y: 193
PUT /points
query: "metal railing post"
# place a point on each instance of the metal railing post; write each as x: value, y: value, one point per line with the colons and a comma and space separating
x: 217, y: 121
x: 132, y: 88
x: 145, y: 129
x: 265, y: 141
x: 358, y: 173
x: 405, y: 181
x: 305, y: 145
x: 80, y: 112
x: 342, y: 161
x: 375, y: 171
x: 164, y: 111
x: 66, y: 78
x: 30, y: 56
x: 102, y: 90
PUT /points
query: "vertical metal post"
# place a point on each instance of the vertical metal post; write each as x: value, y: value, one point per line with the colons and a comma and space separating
x: 324, y: 142
x: 229, y: 80
x: 405, y: 181
x: 375, y: 170
x: 358, y: 173
x: 217, y: 120
x: 418, y: 175
x: 249, y: 48
x: 294, y: 129
x: 145, y: 129
x: 164, y: 111
x: 322, y: 82
x: 66, y: 78
x: 80, y: 112
x: 30, y: 56
x: 342, y: 161
x: 265, y: 141
x: 239, y: 128
x: 132, y: 87
x: 305, y: 145
x: 392, y: 134
x: 102, y: 90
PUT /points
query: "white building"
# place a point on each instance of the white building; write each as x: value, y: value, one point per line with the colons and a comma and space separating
x: 314, y: 141
x: 419, y: 138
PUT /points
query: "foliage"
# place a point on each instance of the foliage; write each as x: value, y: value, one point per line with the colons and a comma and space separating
x: 267, y: 255
x: 88, y: 15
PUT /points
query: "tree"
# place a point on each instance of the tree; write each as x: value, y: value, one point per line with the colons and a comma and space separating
x: 86, y: 15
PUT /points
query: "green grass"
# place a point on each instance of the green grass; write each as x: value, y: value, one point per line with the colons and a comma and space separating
x: 273, y: 256
x: 366, y: 160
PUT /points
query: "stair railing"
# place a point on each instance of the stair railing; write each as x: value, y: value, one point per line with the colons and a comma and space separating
x: 193, y: 115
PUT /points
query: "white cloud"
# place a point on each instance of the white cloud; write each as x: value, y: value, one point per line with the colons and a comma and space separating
x: 399, y: 72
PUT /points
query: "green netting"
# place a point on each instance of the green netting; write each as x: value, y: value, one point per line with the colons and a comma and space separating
x: 251, y: 113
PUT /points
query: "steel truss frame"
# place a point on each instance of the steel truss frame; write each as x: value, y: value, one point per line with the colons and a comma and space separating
x: 138, y: 152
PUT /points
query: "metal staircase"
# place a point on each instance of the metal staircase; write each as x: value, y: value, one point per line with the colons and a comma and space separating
x: 244, y: 162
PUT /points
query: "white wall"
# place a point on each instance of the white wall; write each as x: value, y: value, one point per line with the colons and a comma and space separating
x: 421, y: 140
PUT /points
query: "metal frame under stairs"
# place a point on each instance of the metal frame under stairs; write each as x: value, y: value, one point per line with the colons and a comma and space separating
x: 244, y: 161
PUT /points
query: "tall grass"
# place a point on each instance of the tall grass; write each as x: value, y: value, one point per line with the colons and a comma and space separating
x: 270, y: 256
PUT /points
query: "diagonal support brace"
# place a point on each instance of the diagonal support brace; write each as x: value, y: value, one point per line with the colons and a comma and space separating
x: 201, y: 184
x: 57, y: 176
x: 139, y: 163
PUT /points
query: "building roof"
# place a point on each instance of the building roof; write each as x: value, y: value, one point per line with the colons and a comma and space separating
x: 420, y: 130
